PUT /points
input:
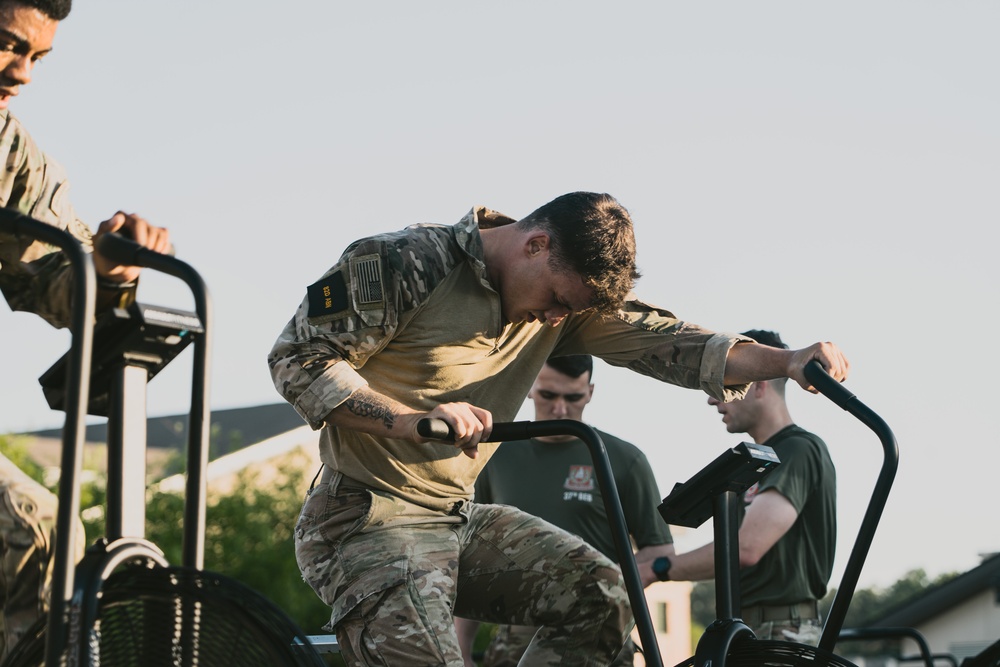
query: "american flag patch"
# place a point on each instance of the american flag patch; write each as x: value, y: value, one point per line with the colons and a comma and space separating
x: 368, y: 279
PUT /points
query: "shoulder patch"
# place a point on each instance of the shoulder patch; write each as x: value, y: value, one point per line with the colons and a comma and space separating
x: 366, y: 272
x: 328, y: 295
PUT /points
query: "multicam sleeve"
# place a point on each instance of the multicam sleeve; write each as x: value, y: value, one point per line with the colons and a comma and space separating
x: 35, y: 276
x: 350, y: 315
x: 652, y: 341
x: 347, y: 316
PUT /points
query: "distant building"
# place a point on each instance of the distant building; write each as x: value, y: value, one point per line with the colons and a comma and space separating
x: 959, y: 619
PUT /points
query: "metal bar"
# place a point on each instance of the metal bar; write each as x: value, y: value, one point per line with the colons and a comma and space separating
x: 840, y: 395
x: 128, y: 252
x: 126, y: 501
x: 74, y: 429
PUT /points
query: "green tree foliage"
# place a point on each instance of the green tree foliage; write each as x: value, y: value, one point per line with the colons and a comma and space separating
x: 17, y: 453
x: 702, y: 607
x: 249, y: 537
x: 870, y: 604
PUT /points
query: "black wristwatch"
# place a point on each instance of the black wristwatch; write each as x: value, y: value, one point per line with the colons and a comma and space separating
x: 661, y: 568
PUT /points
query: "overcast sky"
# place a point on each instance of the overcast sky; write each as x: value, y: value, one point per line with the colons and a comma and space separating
x: 826, y: 170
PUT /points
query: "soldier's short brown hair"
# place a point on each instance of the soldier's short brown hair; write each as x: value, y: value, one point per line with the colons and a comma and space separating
x: 591, y: 234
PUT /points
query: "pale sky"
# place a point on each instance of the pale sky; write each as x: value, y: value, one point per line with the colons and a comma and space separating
x: 829, y: 171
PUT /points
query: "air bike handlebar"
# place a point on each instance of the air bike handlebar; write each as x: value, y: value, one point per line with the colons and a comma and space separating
x: 508, y: 431
x: 840, y: 395
x: 74, y: 429
x: 126, y: 251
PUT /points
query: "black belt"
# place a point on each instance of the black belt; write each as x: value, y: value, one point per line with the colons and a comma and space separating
x: 761, y: 613
x: 326, y: 475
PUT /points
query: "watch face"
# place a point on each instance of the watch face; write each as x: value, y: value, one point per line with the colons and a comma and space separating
x: 661, y: 566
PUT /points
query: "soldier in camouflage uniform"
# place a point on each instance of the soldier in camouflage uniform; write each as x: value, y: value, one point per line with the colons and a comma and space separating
x: 455, y: 323
x: 35, y: 278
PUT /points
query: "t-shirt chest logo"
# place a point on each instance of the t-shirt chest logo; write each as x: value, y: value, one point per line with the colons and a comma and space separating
x: 581, y: 478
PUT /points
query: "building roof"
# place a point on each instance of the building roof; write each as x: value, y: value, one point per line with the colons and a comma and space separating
x: 941, y: 598
x: 233, y: 429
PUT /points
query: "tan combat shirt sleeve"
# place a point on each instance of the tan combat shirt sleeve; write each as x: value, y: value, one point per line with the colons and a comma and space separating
x: 651, y: 341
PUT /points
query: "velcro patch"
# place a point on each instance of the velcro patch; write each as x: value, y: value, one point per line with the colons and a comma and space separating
x: 367, y: 274
x: 328, y: 295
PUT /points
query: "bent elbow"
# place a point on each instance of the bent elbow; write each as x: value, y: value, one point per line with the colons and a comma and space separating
x: 749, y: 558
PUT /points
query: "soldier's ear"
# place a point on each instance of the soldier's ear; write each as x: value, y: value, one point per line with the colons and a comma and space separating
x: 536, y: 243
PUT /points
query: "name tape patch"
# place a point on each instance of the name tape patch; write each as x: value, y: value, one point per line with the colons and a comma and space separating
x: 328, y: 295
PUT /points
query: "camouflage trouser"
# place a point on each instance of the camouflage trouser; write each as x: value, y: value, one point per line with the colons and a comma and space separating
x: 27, y: 531
x: 395, y: 574
x: 511, y: 641
x: 801, y: 631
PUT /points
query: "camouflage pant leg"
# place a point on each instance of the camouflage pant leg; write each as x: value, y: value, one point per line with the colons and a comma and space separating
x: 803, y: 631
x: 388, y: 571
x: 508, y: 645
x: 511, y: 641
x: 27, y: 521
x: 517, y: 568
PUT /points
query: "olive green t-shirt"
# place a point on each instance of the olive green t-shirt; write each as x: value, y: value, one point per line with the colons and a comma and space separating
x: 797, y: 568
x: 557, y: 482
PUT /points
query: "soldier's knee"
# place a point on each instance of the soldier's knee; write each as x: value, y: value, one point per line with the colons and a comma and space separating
x: 612, y: 584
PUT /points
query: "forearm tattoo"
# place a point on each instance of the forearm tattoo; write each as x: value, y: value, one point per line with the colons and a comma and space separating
x: 373, y: 408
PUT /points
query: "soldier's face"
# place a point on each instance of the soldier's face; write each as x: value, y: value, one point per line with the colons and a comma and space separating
x: 559, y: 396
x: 26, y: 35
x: 538, y: 290
x: 740, y: 415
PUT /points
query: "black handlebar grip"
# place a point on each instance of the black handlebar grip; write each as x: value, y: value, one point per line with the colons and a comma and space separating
x: 125, y: 251
x: 826, y: 385
x: 438, y: 429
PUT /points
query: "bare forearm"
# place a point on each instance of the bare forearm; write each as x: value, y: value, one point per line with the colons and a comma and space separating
x: 752, y: 362
x: 368, y: 411
x: 371, y: 412
x: 696, y: 565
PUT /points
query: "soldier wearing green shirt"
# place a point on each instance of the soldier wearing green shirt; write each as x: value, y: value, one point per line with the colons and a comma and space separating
x: 788, y: 534
x: 553, y: 478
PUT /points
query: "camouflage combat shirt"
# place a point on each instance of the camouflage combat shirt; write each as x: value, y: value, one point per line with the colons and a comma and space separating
x: 34, y: 276
x: 413, y: 315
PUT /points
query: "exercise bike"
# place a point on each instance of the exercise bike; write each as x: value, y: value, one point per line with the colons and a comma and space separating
x: 713, y: 493
x: 124, y: 604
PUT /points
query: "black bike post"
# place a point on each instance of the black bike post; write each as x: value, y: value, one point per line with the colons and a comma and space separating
x: 128, y: 252
x: 509, y: 431
x: 840, y: 395
x: 196, y: 489
x: 74, y: 429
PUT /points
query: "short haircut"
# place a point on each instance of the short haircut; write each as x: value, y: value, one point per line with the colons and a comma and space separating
x: 573, y: 365
x: 591, y: 235
x: 771, y: 339
x: 763, y: 337
x: 56, y: 10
